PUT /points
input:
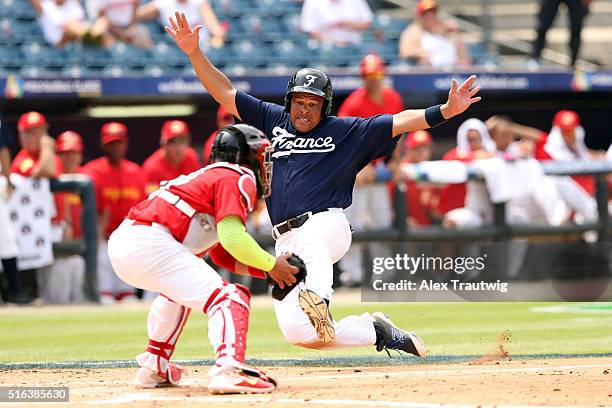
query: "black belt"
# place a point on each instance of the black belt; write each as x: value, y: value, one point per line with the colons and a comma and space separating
x: 293, y: 223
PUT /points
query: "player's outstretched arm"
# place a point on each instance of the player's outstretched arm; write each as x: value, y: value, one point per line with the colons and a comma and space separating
x: 238, y: 243
x: 460, y: 97
x: 215, y: 82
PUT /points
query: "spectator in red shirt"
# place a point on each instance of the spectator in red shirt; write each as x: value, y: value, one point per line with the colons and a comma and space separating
x: 224, y: 118
x: 119, y: 185
x: 371, y: 208
x: 63, y: 281
x: 37, y: 155
x: 421, y: 199
x: 173, y: 158
x: 36, y: 159
x: 70, y: 152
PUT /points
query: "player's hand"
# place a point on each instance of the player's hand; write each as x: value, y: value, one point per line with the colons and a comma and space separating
x: 283, y: 272
x: 188, y: 40
x: 460, y: 97
x: 47, y: 142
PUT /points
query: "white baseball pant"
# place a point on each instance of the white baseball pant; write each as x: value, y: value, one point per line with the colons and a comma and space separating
x: 149, y: 257
x: 320, y: 242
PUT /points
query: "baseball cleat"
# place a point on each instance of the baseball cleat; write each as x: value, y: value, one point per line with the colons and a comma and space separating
x: 391, y: 337
x: 241, y: 380
x: 318, y: 312
x: 147, y: 378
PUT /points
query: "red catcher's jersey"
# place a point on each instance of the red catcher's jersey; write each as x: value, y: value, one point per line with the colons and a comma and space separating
x: 214, y: 192
x: 157, y: 169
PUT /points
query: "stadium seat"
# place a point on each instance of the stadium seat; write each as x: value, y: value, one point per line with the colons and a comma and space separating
x: 251, y: 54
x: 168, y: 55
x: 11, y: 58
x: 123, y: 54
x: 42, y: 54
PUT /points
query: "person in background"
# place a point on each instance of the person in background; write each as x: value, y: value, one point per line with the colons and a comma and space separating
x: 8, y: 242
x: 224, y: 118
x: 36, y: 159
x: 421, y: 199
x: 120, y: 18
x: 119, y: 185
x: 577, y: 11
x: 174, y: 157
x: 473, y: 142
x: 371, y: 208
x: 432, y: 42
x: 338, y: 22
x: 200, y: 12
x: 64, y: 21
x: 62, y: 282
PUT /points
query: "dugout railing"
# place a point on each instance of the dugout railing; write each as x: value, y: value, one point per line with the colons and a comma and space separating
x: 498, y: 230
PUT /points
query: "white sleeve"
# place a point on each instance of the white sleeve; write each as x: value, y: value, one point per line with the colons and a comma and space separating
x: 50, y: 14
x: 363, y: 12
x: 309, y: 21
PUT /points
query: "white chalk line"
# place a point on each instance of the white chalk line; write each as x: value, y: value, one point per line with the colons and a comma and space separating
x: 465, y: 371
x: 197, y: 381
x: 137, y: 397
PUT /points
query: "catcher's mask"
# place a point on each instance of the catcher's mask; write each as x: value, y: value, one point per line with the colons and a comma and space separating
x: 245, y: 145
x: 313, y: 81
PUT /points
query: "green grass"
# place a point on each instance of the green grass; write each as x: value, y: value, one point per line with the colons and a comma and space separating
x: 76, y: 334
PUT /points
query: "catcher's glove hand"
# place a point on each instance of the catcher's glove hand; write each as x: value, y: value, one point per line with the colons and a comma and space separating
x: 300, y: 276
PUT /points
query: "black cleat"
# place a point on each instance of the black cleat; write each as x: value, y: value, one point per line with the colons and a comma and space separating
x: 391, y: 337
x: 318, y: 312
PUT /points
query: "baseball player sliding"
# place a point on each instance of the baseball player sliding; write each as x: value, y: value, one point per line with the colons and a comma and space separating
x: 156, y: 248
x: 316, y: 157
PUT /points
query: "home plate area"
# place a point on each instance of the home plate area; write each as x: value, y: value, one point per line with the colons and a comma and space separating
x: 519, y: 382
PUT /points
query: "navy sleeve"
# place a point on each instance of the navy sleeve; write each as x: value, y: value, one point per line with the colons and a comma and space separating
x: 374, y: 136
x: 255, y: 112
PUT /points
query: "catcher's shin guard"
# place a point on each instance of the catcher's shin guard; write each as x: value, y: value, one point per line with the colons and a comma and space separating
x: 228, y: 322
x: 165, y: 325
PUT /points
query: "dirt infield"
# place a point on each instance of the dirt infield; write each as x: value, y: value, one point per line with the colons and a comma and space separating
x: 543, y: 382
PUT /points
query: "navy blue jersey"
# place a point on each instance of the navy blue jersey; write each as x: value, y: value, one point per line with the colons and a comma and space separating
x: 5, y: 136
x: 315, y: 170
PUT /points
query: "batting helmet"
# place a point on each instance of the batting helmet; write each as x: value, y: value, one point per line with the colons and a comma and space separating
x: 311, y: 81
x: 246, y: 145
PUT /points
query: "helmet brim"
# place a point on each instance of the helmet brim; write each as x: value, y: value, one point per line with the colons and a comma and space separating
x: 307, y: 89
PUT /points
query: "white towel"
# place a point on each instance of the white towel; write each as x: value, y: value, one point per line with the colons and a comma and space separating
x: 442, y: 171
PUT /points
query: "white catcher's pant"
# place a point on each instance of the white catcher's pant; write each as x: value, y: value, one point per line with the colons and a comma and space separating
x: 148, y: 257
x: 320, y: 242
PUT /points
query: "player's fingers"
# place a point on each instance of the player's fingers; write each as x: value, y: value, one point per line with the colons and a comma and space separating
x: 170, y: 31
x: 281, y: 284
x: 184, y: 21
x: 468, y: 83
x: 476, y: 99
x: 197, y: 29
x: 173, y: 23
x: 474, y: 91
x: 177, y: 17
x: 454, y: 85
x: 290, y: 280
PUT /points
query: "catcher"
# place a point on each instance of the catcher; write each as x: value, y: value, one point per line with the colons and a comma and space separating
x: 157, y: 248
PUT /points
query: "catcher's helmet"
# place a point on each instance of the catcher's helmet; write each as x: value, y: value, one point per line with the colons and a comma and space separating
x: 312, y: 81
x: 246, y: 145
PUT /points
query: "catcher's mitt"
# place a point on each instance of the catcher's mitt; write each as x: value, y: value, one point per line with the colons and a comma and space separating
x: 277, y: 292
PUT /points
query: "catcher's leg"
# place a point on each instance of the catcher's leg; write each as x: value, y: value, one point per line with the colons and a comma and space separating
x: 152, y: 259
x: 228, y: 323
x: 165, y: 324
